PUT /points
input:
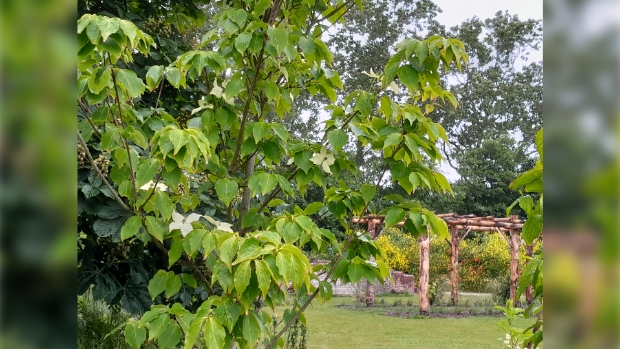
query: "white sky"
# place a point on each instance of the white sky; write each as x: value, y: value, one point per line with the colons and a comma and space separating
x: 457, y: 11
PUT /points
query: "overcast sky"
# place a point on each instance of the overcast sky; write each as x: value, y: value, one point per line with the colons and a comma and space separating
x: 457, y: 11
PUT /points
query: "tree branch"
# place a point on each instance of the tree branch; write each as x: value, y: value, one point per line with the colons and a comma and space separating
x: 100, y: 174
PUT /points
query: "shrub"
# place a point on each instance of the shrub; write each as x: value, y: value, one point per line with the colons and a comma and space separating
x: 482, y: 258
x: 95, y: 321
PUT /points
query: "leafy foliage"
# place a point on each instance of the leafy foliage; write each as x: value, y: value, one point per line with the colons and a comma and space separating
x: 179, y: 220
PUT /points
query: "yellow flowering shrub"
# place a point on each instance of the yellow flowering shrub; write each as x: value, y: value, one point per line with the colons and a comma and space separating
x: 481, y: 259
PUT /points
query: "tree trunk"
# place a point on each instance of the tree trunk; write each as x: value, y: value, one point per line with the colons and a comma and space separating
x: 424, y: 274
x: 529, y: 251
x: 246, y: 197
x: 514, y: 264
x: 454, y: 264
x: 370, y: 287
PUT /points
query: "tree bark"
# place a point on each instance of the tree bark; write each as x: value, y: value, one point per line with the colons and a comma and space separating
x: 454, y: 264
x: 529, y: 252
x: 246, y: 197
x: 370, y: 287
x: 424, y: 242
x: 514, y: 264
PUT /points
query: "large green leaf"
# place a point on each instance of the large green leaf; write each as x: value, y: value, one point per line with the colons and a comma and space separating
x: 157, y: 325
x: 356, y: 272
x: 532, y: 228
x: 132, y: 83
x: 368, y: 192
x: 242, y: 277
x: 155, y: 228
x: 228, y: 314
x: 251, y: 328
x: 157, y: 284
x: 146, y: 171
x: 228, y: 250
x: 234, y: 86
x: 394, y: 216
x: 131, y: 227
x: 170, y: 337
x: 278, y: 38
x: 154, y: 75
x: 226, y: 189
x: 365, y: 102
x: 163, y: 204
x: 135, y: 335
x: 408, y: 76
x: 249, y: 249
x: 337, y: 138
x: 214, y: 333
x: 263, y: 276
x: 242, y: 42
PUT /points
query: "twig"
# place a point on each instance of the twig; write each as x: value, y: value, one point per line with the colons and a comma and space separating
x: 153, y: 191
x: 100, y: 174
x: 161, y: 87
x: 87, y: 114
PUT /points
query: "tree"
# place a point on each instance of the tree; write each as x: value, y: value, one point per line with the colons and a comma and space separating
x: 179, y: 219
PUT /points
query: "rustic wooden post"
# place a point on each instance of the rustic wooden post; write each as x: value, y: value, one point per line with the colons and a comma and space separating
x: 454, y: 263
x: 424, y: 242
x: 370, y: 287
x: 529, y: 252
x: 514, y: 261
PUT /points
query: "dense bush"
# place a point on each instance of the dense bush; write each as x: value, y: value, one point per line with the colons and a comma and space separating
x: 482, y: 258
x: 95, y: 321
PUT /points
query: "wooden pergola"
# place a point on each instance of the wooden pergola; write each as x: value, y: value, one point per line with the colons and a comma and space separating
x: 509, y: 229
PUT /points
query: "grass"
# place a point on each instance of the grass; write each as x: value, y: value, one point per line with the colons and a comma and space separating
x: 331, y: 326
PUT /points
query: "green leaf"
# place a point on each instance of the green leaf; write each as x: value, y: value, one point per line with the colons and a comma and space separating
x: 269, y: 182
x: 365, y: 102
x: 173, y: 75
x: 394, y: 216
x: 242, y: 277
x: 443, y: 182
x: 175, y: 252
x: 250, y: 219
x: 249, y: 249
x: 100, y: 78
x: 228, y: 314
x: 193, y: 241
x: 305, y: 223
x: 157, y: 325
x: 163, y: 204
x: 539, y: 144
x: 527, y: 177
x: 194, y: 331
x: 271, y: 90
x: 132, y: 83
x: 260, y: 7
x: 263, y: 276
x: 214, y: 333
x: 278, y: 38
x: 234, y: 86
x: 135, y: 335
x: 178, y: 139
x: 532, y: 228
x: 368, y: 192
x: 356, y: 272
x: 155, y: 228
x: 228, y: 250
x: 146, y: 172
x: 107, y: 26
x: 409, y: 77
x: 313, y: 208
x: 173, y: 285
x: 251, y: 329
x: 238, y: 16
x: 131, y: 227
x: 259, y: 130
x: 337, y: 138
x: 209, y: 242
x: 307, y: 46
x: 170, y: 337
x: 154, y: 75
x: 302, y: 160
x: 226, y: 189
x: 413, y: 146
x: 157, y: 284
x: 242, y: 42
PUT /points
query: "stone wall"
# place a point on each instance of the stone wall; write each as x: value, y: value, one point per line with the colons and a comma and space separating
x: 402, y: 282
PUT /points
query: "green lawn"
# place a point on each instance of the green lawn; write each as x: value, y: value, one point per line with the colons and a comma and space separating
x: 332, y: 327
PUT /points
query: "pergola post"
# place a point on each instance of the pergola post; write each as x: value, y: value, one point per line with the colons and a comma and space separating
x: 370, y: 287
x: 454, y: 263
x: 424, y: 242
x: 514, y: 261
